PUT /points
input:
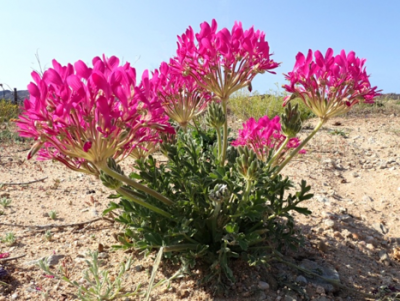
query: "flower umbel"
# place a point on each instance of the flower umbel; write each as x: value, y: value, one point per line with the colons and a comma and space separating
x: 81, y: 116
x: 223, y: 61
x: 330, y: 85
x: 263, y: 137
x: 182, y: 98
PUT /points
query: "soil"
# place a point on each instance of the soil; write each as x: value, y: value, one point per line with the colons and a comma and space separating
x: 352, y: 165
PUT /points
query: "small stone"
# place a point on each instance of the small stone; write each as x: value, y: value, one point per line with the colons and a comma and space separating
x: 383, y: 256
x: 322, y: 199
x: 355, y: 175
x: 103, y: 255
x: 301, y: 280
x: 320, y: 290
x: 139, y: 268
x: 329, y: 223
x: 262, y: 285
x: 290, y: 298
x: 14, y: 296
x: 366, y: 198
x: 370, y: 247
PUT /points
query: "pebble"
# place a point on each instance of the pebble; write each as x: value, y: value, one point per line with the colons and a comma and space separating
x: 322, y: 199
x: 329, y: 223
x: 103, y: 255
x: 262, y: 285
x: 301, y: 280
x: 366, y: 198
x: 320, y: 290
x: 139, y: 268
x: 14, y: 296
x: 383, y: 256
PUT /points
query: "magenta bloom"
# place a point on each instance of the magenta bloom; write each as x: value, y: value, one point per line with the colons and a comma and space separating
x: 81, y: 116
x: 223, y: 61
x: 264, y: 136
x: 330, y: 85
x: 181, y: 96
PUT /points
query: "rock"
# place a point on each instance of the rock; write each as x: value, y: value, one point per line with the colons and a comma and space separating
x: 320, y: 290
x: 383, y: 256
x: 51, y: 260
x: 14, y: 296
x: 329, y: 223
x: 367, y: 166
x: 103, y: 255
x: 366, y: 198
x: 322, y: 199
x: 290, y: 298
x: 380, y: 228
x: 301, y: 280
x: 355, y: 175
x: 139, y: 268
x: 325, y: 270
x: 263, y: 285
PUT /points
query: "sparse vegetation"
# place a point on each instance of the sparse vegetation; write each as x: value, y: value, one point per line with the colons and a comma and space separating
x: 9, y: 239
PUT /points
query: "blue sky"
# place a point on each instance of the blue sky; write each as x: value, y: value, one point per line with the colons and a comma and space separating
x: 144, y: 32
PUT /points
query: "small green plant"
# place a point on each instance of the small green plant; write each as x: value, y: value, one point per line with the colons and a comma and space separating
x: 2, y: 212
x: 5, y: 202
x: 98, y: 285
x: 339, y: 133
x: 9, y: 239
x: 48, y: 235
x: 53, y: 215
x: 56, y: 184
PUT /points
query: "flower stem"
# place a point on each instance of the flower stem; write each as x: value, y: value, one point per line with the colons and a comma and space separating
x: 128, y: 195
x: 225, y: 133
x: 219, y: 141
x: 104, y: 167
x: 294, y: 152
x: 279, y: 151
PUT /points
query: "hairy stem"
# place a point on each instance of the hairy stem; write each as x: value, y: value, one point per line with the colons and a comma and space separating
x: 225, y: 133
x: 104, y: 167
x: 304, y: 142
x: 278, y: 152
x: 128, y: 195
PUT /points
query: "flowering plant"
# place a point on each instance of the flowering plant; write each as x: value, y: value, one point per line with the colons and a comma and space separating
x: 215, y: 198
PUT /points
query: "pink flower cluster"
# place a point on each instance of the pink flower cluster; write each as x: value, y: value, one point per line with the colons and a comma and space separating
x: 181, y: 96
x: 81, y: 116
x: 264, y: 136
x: 223, y: 61
x: 330, y: 85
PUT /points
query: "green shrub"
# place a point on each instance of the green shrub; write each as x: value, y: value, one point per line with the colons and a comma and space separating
x: 8, y: 110
x: 218, y: 213
x: 244, y: 105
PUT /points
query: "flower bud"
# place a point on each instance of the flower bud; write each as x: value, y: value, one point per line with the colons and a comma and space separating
x: 291, y: 121
x: 247, y: 163
x: 219, y: 193
x: 34, y: 149
x: 215, y: 116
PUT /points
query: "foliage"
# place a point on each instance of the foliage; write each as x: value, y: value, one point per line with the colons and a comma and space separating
x: 98, y: 285
x: 246, y: 221
x: 8, y: 110
x: 244, y: 105
x: 5, y: 202
x: 9, y: 239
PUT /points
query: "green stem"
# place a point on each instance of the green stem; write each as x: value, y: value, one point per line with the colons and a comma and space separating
x: 214, y: 217
x: 178, y: 248
x: 304, y: 142
x: 128, y: 195
x: 104, y: 167
x: 247, y: 191
x: 225, y: 133
x: 279, y: 151
x: 219, y: 142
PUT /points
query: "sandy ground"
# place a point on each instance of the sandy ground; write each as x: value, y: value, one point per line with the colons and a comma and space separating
x: 353, y: 166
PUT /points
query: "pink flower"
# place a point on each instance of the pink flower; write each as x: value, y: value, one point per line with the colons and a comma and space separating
x: 4, y: 255
x: 81, y: 116
x: 264, y: 136
x: 181, y: 96
x: 330, y: 85
x: 223, y: 61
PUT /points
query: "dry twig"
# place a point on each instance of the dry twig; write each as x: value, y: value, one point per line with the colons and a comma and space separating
x: 12, y: 258
x: 58, y: 225
x: 24, y: 183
